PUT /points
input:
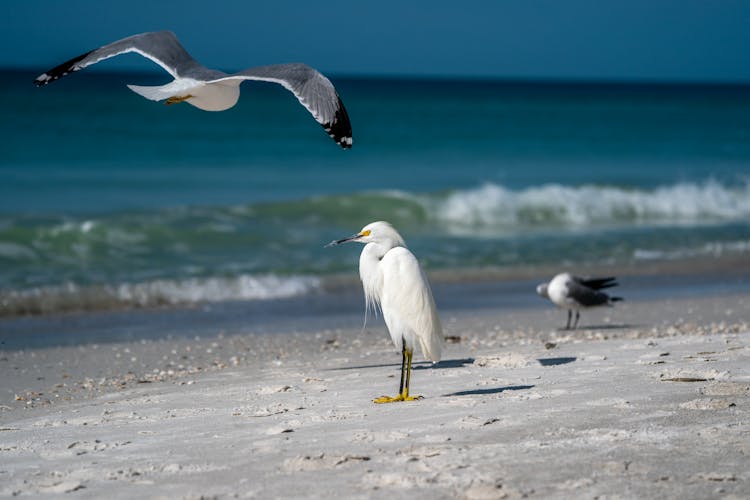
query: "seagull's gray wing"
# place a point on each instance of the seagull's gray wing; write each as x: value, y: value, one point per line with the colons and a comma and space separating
x: 162, y: 47
x: 585, y: 296
x: 314, y: 91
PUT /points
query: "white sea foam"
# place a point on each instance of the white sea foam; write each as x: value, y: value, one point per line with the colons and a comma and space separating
x: 710, y: 249
x: 243, y: 287
x: 72, y: 297
x: 16, y: 252
x: 554, y: 205
x: 71, y: 227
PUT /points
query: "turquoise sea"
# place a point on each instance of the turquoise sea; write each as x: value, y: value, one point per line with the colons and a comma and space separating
x: 110, y: 200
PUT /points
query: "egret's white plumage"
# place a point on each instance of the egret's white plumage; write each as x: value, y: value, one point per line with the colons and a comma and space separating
x: 393, y: 280
x: 213, y: 90
x: 575, y: 293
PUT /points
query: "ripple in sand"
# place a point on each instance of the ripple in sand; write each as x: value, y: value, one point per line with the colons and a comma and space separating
x: 322, y: 461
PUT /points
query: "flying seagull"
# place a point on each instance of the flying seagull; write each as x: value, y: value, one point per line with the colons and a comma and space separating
x: 212, y: 90
x: 576, y: 293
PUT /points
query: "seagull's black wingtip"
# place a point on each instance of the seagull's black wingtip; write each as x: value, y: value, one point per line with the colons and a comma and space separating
x: 59, y: 71
x: 340, y: 129
x: 343, y: 139
x: 344, y: 142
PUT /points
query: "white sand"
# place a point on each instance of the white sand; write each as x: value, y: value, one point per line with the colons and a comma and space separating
x: 651, y: 412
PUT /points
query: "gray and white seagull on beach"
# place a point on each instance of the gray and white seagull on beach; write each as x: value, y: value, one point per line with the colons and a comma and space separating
x: 213, y: 90
x: 575, y: 293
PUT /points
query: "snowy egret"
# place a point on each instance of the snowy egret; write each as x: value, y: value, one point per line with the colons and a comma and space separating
x: 393, y: 279
x: 212, y: 90
x: 576, y: 293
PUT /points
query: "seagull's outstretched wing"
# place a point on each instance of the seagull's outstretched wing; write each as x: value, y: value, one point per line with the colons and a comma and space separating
x: 314, y: 91
x: 162, y: 47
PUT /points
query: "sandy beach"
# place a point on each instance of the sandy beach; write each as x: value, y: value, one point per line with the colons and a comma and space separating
x: 650, y: 399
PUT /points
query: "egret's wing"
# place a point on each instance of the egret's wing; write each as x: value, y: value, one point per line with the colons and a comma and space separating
x: 162, y: 47
x: 313, y: 90
x: 407, y: 301
x: 586, y: 296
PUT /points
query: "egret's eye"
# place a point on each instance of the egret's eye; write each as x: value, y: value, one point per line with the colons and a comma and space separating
x: 366, y: 232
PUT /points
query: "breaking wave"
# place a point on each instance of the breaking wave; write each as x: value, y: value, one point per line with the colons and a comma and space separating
x: 555, y: 205
x: 72, y: 297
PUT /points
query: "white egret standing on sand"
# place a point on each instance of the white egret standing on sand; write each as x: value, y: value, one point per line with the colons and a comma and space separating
x: 392, y: 278
x: 576, y: 293
x: 212, y: 90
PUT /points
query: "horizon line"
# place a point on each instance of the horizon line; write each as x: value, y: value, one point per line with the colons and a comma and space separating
x: 490, y: 79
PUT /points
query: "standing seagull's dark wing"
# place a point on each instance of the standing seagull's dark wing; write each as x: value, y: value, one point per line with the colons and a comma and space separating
x: 597, y: 283
x: 314, y: 91
x: 162, y: 47
x: 586, y: 296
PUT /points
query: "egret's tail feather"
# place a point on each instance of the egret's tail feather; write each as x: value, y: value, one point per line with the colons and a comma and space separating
x: 432, y: 350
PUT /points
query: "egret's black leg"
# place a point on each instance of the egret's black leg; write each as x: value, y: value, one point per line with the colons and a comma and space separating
x: 405, y: 395
x: 403, y: 366
x: 578, y: 315
x: 567, y: 325
x: 405, y: 392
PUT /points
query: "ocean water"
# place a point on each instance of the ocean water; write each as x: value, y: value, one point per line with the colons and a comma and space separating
x: 107, y: 199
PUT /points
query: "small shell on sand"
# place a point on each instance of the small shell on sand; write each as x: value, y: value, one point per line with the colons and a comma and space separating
x: 505, y: 360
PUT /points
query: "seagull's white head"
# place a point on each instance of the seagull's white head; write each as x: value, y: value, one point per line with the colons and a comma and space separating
x: 380, y: 232
x: 541, y: 290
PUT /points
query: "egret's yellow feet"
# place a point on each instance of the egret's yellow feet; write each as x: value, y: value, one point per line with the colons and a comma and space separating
x: 177, y: 99
x: 400, y: 397
x: 403, y: 388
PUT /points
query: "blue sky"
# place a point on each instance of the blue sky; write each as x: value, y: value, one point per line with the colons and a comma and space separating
x: 655, y: 40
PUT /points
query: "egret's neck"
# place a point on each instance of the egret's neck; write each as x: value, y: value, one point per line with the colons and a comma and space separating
x: 369, y: 269
x: 369, y: 260
x: 376, y: 250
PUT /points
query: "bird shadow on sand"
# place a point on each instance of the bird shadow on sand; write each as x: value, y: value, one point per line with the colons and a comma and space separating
x: 493, y: 390
x: 609, y: 326
x: 417, y: 365
x: 446, y: 363
x: 555, y: 361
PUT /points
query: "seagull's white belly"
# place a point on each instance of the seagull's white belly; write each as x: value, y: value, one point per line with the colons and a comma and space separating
x: 215, y: 96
